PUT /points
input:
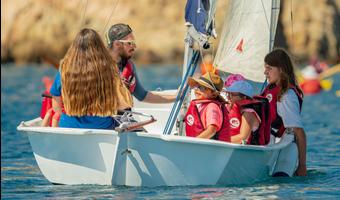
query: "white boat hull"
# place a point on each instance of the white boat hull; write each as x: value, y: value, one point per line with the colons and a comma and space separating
x: 74, y: 157
x: 105, y: 157
x: 90, y: 156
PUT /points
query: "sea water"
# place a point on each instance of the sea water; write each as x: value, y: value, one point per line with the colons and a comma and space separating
x: 21, y: 89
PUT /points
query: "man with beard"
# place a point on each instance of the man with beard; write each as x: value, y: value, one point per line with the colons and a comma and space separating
x: 122, y: 46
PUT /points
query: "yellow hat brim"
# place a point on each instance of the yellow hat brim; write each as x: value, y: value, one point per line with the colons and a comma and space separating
x: 194, y: 81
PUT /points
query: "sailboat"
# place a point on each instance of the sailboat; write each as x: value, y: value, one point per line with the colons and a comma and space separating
x: 164, y: 156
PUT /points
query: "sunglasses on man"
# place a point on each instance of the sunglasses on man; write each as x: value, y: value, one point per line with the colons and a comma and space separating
x: 129, y: 42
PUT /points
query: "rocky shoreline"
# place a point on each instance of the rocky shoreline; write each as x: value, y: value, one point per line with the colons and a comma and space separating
x: 34, y: 30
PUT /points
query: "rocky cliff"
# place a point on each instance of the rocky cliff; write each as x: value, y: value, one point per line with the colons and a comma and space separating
x: 35, y: 29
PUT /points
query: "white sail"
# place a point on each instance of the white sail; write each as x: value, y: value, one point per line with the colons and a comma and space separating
x: 247, y: 36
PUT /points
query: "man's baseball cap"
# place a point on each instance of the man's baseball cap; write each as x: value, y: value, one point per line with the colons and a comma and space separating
x: 117, y: 32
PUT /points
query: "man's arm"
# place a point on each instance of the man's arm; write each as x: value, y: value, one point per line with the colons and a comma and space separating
x: 139, y: 92
x: 154, y: 97
x: 150, y: 96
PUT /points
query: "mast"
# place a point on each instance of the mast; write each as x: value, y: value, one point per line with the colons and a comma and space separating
x: 274, y: 14
x: 273, y: 22
x: 199, y: 16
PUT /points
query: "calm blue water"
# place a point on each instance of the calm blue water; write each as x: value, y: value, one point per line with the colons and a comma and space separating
x: 22, y: 179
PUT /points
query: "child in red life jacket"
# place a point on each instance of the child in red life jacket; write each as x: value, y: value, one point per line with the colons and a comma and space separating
x: 207, y: 115
x: 243, y: 120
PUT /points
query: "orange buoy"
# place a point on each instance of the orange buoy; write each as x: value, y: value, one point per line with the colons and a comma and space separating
x: 311, y: 86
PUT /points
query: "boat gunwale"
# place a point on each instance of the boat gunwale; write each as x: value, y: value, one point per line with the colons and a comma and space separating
x: 24, y: 126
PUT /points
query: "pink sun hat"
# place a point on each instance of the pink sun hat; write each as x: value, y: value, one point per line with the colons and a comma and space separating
x: 232, y: 78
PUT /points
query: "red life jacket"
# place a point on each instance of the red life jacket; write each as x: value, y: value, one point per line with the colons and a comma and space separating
x: 311, y: 86
x: 47, y: 105
x: 271, y: 93
x: 194, y: 125
x: 261, y: 106
x: 128, y: 76
x: 235, y: 118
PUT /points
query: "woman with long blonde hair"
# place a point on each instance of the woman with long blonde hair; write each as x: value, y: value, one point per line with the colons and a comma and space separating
x: 91, y: 89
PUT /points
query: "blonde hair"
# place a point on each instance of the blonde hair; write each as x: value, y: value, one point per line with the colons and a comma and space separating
x: 90, y: 81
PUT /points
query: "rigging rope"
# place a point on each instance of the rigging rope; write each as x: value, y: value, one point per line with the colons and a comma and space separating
x: 265, y: 14
x: 204, y: 62
x: 202, y: 58
x: 115, y: 3
x: 83, y: 18
x: 213, y: 54
x: 181, y: 93
x: 270, y: 39
x: 291, y: 20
